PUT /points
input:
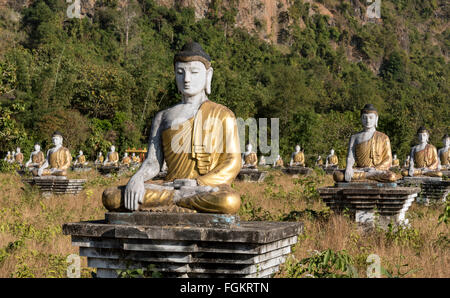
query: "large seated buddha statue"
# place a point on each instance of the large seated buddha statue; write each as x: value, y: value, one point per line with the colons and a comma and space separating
x: 249, y: 158
x: 199, y: 141
x: 58, y: 159
x: 369, y: 153
x: 37, y: 158
x: 443, y: 153
x: 297, y: 157
x: 424, y: 158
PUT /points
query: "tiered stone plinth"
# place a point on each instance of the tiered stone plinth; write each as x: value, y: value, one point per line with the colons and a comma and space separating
x: 57, y: 184
x: 81, y: 168
x: 184, y: 244
x: 433, y: 189
x: 330, y: 170
x: 371, y: 203
x: 295, y: 170
x: 251, y: 175
x: 110, y: 170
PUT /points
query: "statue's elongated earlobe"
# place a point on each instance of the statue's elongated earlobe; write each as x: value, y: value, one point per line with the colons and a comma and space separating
x: 209, y: 75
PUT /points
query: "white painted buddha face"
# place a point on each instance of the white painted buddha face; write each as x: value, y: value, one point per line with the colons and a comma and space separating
x: 18, y: 150
x: 297, y: 148
x: 37, y: 148
x: 192, y: 78
x: 332, y: 152
x: 369, y: 120
x: 113, y: 149
x: 423, y: 137
x: 395, y: 156
x: 447, y: 142
x: 57, y: 140
x: 81, y: 152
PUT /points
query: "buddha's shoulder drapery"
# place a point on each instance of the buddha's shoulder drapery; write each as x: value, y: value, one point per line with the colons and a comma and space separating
x: 426, y: 158
x: 60, y: 159
x: 205, y: 147
x: 375, y: 152
x: 38, y: 157
x: 445, y: 158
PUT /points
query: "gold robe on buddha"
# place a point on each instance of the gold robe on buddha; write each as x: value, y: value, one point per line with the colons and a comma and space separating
x: 126, y: 160
x: 59, y: 160
x: 19, y: 158
x: 81, y: 159
x: 426, y: 158
x: 395, y: 163
x: 445, y: 158
x: 38, y: 159
x: 251, y: 159
x: 374, y: 153
x: 279, y: 163
x: 333, y: 160
x: 113, y: 157
x: 299, y: 159
x: 100, y: 159
x: 320, y: 162
x: 205, y: 148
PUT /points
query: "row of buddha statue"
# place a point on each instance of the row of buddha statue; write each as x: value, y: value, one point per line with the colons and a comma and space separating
x: 58, y: 159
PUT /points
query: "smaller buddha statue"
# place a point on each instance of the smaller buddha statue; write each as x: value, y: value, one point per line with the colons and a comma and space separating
x: 319, y: 161
x: 424, y: 159
x: 278, y: 162
x: 37, y: 158
x: 58, y: 159
x: 297, y: 157
x: 395, y: 162
x: 135, y: 158
x: 13, y: 154
x: 406, y: 164
x: 112, y: 159
x: 443, y: 153
x: 249, y: 158
x: 99, y: 159
x: 80, y: 160
x: 262, y: 161
x: 18, y: 157
x: 126, y: 160
x: 332, y: 160
x: 8, y: 157
x: 369, y: 151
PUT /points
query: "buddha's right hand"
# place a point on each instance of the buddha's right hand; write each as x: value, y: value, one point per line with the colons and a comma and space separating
x: 134, y: 193
x: 349, y: 174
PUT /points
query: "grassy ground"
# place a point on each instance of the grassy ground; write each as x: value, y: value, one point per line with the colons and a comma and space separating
x: 32, y: 244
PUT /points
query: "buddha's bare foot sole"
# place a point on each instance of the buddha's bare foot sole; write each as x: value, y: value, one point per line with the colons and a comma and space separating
x: 168, y: 209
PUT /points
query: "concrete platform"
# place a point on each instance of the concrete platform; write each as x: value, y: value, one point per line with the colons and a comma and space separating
x: 81, y: 169
x: 251, y: 175
x: 241, y: 249
x: 432, y: 189
x: 297, y: 170
x: 371, y: 204
x: 110, y: 170
x: 57, y: 184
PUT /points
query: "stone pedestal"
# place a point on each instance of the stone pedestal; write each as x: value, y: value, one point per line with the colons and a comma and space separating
x: 330, y: 169
x: 295, y: 170
x: 432, y: 189
x: 81, y: 169
x: 371, y: 204
x: 446, y: 173
x: 183, y: 244
x: 251, y: 175
x: 57, y: 184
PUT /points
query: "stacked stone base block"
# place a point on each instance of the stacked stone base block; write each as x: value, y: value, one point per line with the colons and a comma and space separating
x: 252, y: 175
x: 247, y: 249
x: 371, y: 203
x: 57, y: 185
x: 433, y: 189
x: 297, y: 170
x: 110, y: 170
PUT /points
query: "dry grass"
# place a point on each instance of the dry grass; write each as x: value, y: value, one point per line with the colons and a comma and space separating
x: 32, y: 244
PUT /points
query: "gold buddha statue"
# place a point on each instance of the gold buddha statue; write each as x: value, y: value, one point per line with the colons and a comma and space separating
x: 297, y: 157
x: 369, y: 151
x: 319, y: 161
x: 58, y: 159
x: 9, y: 157
x: 424, y: 159
x: 199, y: 141
x: 332, y: 159
x: 112, y: 159
x: 99, y: 159
x: 18, y: 157
x: 249, y: 158
x: 395, y: 162
x: 81, y: 160
x: 443, y: 153
x: 37, y: 158
x: 126, y: 160
x: 135, y: 158
x: 279, y: 163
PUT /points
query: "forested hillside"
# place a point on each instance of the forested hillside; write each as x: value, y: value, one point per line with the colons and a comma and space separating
x: 100, y: 79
